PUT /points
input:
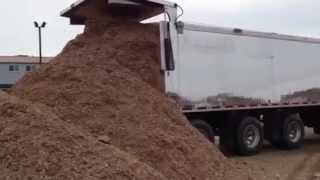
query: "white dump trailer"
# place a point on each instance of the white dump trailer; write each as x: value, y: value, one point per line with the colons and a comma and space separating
x: 244, y: 86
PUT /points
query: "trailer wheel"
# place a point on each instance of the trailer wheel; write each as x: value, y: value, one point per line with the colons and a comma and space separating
x: 293, y: 132
x: 205, y: 129
x: 249, y: 137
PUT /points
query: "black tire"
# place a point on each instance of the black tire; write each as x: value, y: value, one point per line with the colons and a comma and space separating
x: 249, y: 137
x: 278, y: 131
x: 293, y: 132
x: 205, y: 129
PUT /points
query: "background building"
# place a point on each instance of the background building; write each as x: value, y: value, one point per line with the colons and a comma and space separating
x: 12, y: 68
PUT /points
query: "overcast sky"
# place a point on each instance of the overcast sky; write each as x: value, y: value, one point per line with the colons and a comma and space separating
x: 18, y: 35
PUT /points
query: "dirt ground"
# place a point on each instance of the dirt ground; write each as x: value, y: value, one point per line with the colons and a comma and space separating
x: 301, y: 164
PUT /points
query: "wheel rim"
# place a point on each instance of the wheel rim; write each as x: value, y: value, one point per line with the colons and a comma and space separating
x: 294, y: 131
x: 251, y: 136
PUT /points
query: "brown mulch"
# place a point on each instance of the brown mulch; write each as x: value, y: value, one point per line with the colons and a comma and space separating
x: 103, y: 94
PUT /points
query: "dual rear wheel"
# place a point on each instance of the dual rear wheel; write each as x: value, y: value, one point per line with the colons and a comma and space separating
x: 249, y: 136
x: 245, y: 137
x: 247, y: 140
x: 287, y: 133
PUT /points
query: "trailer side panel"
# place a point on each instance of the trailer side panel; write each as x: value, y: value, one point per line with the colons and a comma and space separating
x: 224, y: 68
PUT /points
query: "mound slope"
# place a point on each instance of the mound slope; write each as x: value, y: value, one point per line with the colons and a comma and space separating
x: 36, y: 144
x: 106, y: 82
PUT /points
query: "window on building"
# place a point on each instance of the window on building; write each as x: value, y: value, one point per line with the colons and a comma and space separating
x: 14, y: 67
x: 28, y: 68
x: 11, y: 68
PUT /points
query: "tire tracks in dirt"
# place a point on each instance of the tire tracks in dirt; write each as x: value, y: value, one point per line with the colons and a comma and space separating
x: 315, y: 169
x: 306, y: 169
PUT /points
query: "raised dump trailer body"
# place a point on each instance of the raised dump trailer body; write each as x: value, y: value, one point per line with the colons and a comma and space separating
x: 219, y: 68
x: 243, y: 86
